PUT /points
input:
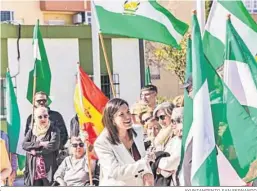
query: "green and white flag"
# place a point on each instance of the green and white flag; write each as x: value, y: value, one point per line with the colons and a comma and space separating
x: 228, y: 122
x: 215, y: 29
x: 140, y: 19
x: 186, y: 150
x: 147, y: 76
x: 204, y: 170
x: 13, y: 121
x: 41, y: 69
x: 240, y: 70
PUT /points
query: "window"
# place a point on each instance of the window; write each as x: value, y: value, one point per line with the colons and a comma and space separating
x: 89, y: 14
x: 254, y: 6
x: 155, y: 72
x: 106, y: 86
x: 251, y: 5
x: 6, y: 16
x: 56, y: 22
x: 86, y: 17
x: 3, y: 107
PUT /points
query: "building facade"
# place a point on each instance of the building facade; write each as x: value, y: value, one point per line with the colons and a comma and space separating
x: 48, y: 12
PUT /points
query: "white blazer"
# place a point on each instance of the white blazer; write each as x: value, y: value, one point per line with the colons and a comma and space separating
x: 118, y: 168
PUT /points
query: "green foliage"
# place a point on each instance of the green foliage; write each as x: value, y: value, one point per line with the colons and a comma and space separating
x: 208, y: 5
x: 173, y: 59
x: 161, y: 99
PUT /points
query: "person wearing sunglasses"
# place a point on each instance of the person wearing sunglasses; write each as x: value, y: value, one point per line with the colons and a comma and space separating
x: 54, y: 116
x: 73, y: 170
x: 177, y: 120
x: 167, y: 141
x: 41, y: 145
x: 120, y: 149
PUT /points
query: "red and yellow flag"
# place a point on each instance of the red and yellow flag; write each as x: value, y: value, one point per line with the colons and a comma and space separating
x: 89, y: 103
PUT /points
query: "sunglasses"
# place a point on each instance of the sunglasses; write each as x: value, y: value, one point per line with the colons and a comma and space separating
x: 161, y: 117
x: 41, y: 100
x: 42, y: 116
x: 75, y: 145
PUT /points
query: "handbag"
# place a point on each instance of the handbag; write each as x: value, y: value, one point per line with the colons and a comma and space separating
x: 40, y: 172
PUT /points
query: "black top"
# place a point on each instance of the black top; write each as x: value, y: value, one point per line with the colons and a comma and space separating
x: 134, y: 152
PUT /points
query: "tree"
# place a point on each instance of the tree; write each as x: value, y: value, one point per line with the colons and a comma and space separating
x: 208, y: 5
x: 173, y: 59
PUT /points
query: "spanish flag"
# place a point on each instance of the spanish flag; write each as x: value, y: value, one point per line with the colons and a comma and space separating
x: 89, y: 103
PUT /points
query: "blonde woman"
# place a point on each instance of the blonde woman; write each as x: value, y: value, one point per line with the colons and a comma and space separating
x: 167, y: 141
x: 73, y: 170
x: 42, y: 144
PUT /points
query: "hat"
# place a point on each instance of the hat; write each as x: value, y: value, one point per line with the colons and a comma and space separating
x: 188, y: 82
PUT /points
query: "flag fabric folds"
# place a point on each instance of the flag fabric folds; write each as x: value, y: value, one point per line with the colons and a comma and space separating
x: 215, y: 30
x: 89, y: 103
x: 130, y: 18
x: 13, y: 121
x: 41, y: 69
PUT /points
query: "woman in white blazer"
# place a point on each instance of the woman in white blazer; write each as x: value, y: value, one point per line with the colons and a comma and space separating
x: 168, y: 140
x: 120, y: 149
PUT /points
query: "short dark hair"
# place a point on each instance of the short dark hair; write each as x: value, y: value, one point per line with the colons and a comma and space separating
x: 149, y: 88
x: 110, y: 110
x: 41, y: 93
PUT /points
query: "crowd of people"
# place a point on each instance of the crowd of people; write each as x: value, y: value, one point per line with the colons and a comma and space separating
x: 139, y: 146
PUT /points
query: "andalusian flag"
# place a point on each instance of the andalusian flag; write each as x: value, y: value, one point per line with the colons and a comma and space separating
x: 41, y: 69
x: 204, y: 170
x: 140, y: 19
x: 186, y: 152
x: 240, y: 70
x: 233, y: 158
x: 215, y: 29
x: 13, y: 121
x: 89, y: 103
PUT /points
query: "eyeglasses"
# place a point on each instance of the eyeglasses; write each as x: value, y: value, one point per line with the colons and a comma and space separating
x: 162, y: 117
x: 75, y: 145
x: 42, y: 116
x: 41, y: 100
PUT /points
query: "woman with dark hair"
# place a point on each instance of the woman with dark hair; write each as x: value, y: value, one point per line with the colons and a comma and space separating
x: 120, y: 149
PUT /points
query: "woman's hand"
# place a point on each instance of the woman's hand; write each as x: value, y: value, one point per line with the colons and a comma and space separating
x: 43, y: 143
x: 148, y: 179
x: 33, y: 152
x: 61, y: 182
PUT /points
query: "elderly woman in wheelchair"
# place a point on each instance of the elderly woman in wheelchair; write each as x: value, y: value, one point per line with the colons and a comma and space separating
x: 73, y: 170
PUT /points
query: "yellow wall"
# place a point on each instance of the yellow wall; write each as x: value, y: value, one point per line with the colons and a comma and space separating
x: 26, y: 11
x: 67, y: 17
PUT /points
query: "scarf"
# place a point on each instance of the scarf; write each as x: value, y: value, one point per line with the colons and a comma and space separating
x: 40, y: 131
x: 163, y: 135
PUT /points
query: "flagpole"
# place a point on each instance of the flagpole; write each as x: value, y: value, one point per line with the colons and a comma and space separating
x: 95, y: 47
x: 33, y: 96
x: 107, y: 64
x: 89, y: 163
x: 86, y: 141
